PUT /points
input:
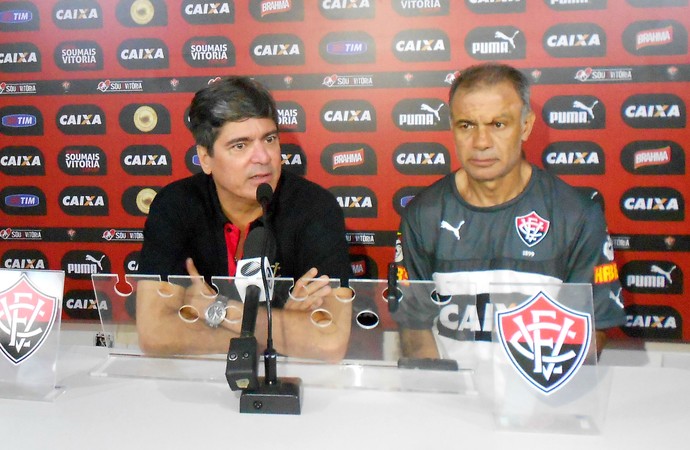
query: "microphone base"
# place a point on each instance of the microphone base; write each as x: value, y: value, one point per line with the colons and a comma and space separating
x: 282, y: 397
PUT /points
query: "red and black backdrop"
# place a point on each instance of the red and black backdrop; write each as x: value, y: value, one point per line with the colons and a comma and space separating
x: 93, y: 100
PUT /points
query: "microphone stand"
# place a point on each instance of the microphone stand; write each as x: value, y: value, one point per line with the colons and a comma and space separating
x: 273, y: 395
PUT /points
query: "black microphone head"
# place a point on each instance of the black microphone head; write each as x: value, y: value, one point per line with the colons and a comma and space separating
x: 264, y: 194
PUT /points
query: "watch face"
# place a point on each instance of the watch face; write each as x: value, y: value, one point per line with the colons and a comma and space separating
x: 215, y: 314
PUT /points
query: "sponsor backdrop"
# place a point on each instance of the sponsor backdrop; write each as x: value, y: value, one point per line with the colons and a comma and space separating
x: 93, y: 100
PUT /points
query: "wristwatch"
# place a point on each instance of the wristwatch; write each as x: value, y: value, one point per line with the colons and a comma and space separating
x: 215, y: 313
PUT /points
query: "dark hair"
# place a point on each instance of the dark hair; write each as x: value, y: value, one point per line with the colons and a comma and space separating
x: 491, y: 74
x: 231, y: 99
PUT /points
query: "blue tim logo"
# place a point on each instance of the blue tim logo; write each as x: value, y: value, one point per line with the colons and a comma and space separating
x: 16, y: 16
x: 347, y: 48
x: 19, y: 120
x: 22, y: 200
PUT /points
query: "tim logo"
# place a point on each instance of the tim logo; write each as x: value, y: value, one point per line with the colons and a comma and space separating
x: 26, y: 318
x: 545, y: 341
x: 531, y: 228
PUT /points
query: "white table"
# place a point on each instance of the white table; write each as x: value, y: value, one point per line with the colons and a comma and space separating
x: 649, y: 406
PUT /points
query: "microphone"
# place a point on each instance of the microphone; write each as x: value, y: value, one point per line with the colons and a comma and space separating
x: 242, y: 363
x: 270, y: 395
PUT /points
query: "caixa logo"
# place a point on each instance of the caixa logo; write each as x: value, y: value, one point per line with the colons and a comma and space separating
x: 421, y: 114
x: 84, y: 201
x: 653, y: 322
x: 653, y: 204
x: 131, y: 262
x: 654, y: 111
x: 277, y: 50
x: 656, y: 37
x: 81, y: 120
x: 356, y: 201
x: 570, y: 112
x: 83, y: 160
x: 575, y: 40
x: 494, y: 7
x: 150, y: 118
x: 79, y: 56
x: 653, y: 158
x: 355, y: 47
x: 81, y: 264
x: 348, y: 115
x: 210, y: 51
x: 23, y: 201
x: 652, y: 277
x: 204, y: 12
x: 19, y: 16
x: 22, y: 161
x: 347, y: 9
x: 29, y: 259
x: 349, y: 159
x: 19, y: 57
x: 415, y: 8
x: 143, y: 54
x: 77, y: 14
x: 21, y: 121
x: 574, y: 158
x: 291, y: 116
x: 492, y: 43
x: 421, y: 45
x: 421, y: 158
x: 570, y: 5
x: 138, y: 13
x: 146, y: 160
x: 293, y: 159
x: 82, y: 304
x: 277, y: 10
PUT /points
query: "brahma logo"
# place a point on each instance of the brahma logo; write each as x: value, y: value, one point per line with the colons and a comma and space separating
x: 421, y: 158
x: 653, y: 322
x: 77, y: 14
x: 291, y: 116
x: 349, y: 159
x: 348, y: 115
x: 423, y: 114
x: 545, y: 341
x: 653, y: 204
x: 531, y: 228
x: 492, y: 43
x: 347, y: 9
x: 363, y: 266
x: 23, y: 201
x: 24, y: 259
x: 146, y: 160
x: 81, y: 120
x: 22, y: 161
x: 654, y: 111
x: 79, y: 55
x: 652, y: 277
x: 352, y: 47
x: 277, y: 10
x: 359, y: 202
x: 574, y: 158
x: 277, y: 50
x: 569, y: 5
x: 656, y: 37
x: 496, y: 6
x: 568, y: 112
x: 415, y: 8
x: 421, y: 45
x: 653, y: 157
x: 211, y: 51
x: 575, y: 40
x: 19, y: 57
x: 27, y: 316
x: 19, y: 16
x: 82, y: 160
x: 84, y: 201
x: 143, y: 54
